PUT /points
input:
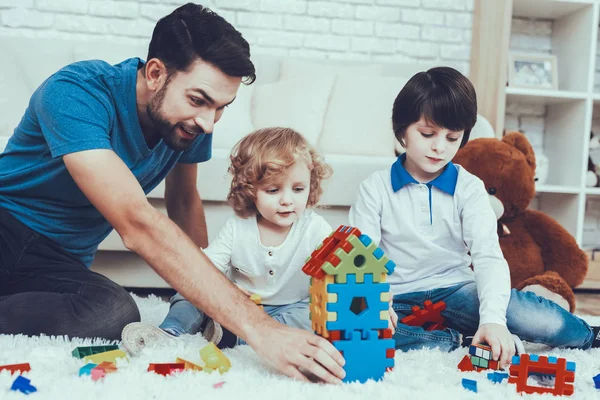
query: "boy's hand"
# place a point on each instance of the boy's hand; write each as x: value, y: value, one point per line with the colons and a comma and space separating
x: 393, y: 322
x: 499, y: 339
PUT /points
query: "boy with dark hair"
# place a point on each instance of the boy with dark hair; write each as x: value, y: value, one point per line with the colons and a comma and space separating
x: 435, y: 220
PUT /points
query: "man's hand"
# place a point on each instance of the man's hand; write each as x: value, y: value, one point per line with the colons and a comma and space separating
x: 289, y: 350
x: 499, y: 339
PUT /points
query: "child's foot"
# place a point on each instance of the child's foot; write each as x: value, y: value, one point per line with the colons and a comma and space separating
x: 138, y: 335
x: 222, y: 337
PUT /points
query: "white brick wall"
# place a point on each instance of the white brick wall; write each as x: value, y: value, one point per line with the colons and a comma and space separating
x: 427, y: 31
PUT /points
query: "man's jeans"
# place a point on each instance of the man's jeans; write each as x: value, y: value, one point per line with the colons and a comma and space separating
x: 185, y: 318
x: 45, y: 290
x: 530, y: 317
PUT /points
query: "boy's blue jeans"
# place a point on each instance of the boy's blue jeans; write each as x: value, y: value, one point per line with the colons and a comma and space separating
x: 530, y: 317
x: 184, y: 317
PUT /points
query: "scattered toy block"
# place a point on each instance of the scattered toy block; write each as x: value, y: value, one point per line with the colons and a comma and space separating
x: 23, y: 385
x: 24, y: 367
x: 80, y: 352
x: 465, y: 364
x: 166, y: 368
x: 482, y: 358
x: 188, y: 365
x: 525, y: 365
x: 218, y: 385
x: 597, y: 381
x: 110, y: 356
x: 497, y: 377
x: 430, y: 317
x: 469, y: 384
x: 87, y: 369
x: 214, y: 359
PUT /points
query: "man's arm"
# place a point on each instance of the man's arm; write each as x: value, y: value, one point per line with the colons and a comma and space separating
x: 114, y: 191
x: 184, y: 205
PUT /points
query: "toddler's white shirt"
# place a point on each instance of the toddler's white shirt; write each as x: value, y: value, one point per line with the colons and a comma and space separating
x: 274, y: 273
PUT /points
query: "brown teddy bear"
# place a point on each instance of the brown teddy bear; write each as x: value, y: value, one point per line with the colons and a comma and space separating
x: 543, y: 257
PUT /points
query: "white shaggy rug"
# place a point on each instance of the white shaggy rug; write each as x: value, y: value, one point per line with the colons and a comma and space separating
x: 424, y: 374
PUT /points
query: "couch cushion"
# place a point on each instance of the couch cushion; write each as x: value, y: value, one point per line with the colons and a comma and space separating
x: 298, y: 103
x: 360, y: 107
x: 236, y: 121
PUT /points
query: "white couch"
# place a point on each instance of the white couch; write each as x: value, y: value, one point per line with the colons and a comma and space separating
x: 342, y: 108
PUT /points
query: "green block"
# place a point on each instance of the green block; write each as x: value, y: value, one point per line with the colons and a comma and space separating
x: 80, y: 352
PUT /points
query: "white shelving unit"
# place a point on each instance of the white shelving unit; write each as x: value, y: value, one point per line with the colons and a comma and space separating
x: 569, y: 110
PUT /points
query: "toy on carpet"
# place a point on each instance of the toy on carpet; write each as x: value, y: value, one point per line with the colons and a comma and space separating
x: 497, y: 377
x: 81, y: 352
x: 597, y: 381
x: 480, y: 358
x: 24, y: 367
x: 525, y: 365
x: 349, y: 301
x: 23, y: 385
x: 430, y: 317
x: 469, y: 384
x: 213, y: 358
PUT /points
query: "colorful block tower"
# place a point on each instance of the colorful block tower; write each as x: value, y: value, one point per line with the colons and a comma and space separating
x: 349, y: 301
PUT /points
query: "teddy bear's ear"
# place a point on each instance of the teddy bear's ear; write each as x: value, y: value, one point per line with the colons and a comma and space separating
x: 520, y: 142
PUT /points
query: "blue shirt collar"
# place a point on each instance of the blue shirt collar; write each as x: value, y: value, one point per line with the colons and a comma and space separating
x: 446, y: 181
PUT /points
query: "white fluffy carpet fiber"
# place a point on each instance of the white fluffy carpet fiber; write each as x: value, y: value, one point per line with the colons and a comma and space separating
x: 425, y: 374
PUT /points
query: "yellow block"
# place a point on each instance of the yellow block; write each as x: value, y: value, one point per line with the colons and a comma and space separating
x: 107, y: 356
x: 214, y: 359
x: 189, y: 365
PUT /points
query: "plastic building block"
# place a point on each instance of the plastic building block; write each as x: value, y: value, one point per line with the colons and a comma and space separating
x: 360, y: 261
x: 256, y: 299
x: 469, y: 384
x: 80, y: 352
x: 218, y: 385
x: 319, y: 297
x: 482, y: 357
x: 214, y: 359
x: 375, y: 316
x: 24, y: 367
x: 597, y: 381
x: 324, y: 253
x: 525, y: 365
x: 23, y: 385
x: 365, y: 359
x: 187, y: 365
x: 497, y: 377
x: 87, y: 369
x: 465, y: 364
x: 166, y: 368
x: 429, y: 317
x: 110, y: 356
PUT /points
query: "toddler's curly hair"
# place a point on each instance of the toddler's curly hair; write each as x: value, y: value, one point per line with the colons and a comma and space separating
x: 263, y: 154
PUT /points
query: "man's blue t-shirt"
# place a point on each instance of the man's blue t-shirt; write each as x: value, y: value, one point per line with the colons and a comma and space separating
x: 86, y: 105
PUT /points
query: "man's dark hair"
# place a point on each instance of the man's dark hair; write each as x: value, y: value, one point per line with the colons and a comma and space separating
x: 193, y: 31
x: 442, y: 96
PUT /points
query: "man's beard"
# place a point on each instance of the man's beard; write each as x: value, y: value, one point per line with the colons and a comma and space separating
x: 166, y: 130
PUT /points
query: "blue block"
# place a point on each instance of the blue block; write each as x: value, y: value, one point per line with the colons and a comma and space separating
x: 597, y: 381
x: 23, y: 385
x: 497, y: 377
x: 552, y: 360
x: 370, y: 318
x: 571, y: 366
x: 390, y: 265
x: 378, y: 253
x: 365, y: 359
x: 87, y: 369
x: 534, y: 357
x: 469, y: 384
x: 516, y: 360
x: 366, y: 240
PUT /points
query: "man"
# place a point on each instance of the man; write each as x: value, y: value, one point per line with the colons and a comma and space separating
x: 94, y: 139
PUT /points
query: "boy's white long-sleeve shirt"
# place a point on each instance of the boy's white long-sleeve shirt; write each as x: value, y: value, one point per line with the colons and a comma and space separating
x: 428, y: 230
x: 274, y: 273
